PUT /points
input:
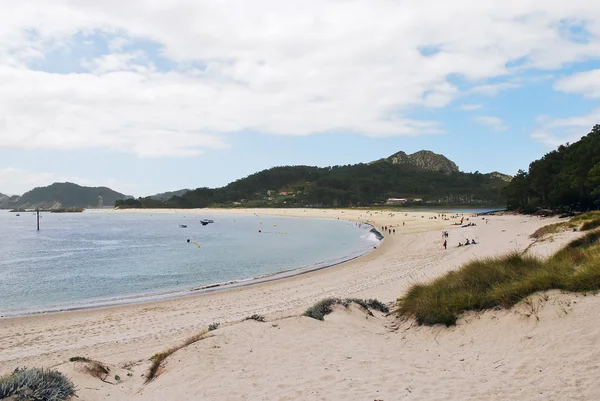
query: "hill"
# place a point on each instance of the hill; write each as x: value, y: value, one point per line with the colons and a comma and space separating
x: 63, y: 195
x: 424, y: 160
x: 421, y: 178
x: 168, y: 195
x: 566, y: 177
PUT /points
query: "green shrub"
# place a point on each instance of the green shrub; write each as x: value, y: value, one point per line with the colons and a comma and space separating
x: 213, y: 326
x: 36, y: 385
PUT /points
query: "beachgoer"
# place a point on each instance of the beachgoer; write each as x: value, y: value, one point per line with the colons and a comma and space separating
x: 394, y: 230
x: 467, y: 243
x: 473, y: 241
x: 445, y: 244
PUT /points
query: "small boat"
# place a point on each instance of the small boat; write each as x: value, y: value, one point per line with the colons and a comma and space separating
x: 206, y: 221
x: 18, y: 214
x: 182, y: 226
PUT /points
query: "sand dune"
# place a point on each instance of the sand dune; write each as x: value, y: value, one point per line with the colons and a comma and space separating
x: 546, y: 350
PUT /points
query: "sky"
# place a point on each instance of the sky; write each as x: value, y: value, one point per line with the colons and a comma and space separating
x: 146, y: 96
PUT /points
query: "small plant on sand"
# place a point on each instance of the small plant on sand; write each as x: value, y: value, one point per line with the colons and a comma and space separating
x: 258, y: 318
x: 79, y: 359
x: 157, y: 359
x: 503, y: 282
x: 325, y: 306
x: 213, y: 326
x: 36, y: 384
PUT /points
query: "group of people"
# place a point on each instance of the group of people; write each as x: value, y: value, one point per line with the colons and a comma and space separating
x: 467, y: 242
x: 389, y: 230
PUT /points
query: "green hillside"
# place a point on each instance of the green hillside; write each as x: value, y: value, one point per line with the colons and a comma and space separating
x: 566, y: 177
x: 433, y: 181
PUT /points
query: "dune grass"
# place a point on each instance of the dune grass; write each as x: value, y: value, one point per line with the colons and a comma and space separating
x: 157, y: 359
x: 551, y: 229
x: 503, y: 282
x: 588, y: 220
x: 325, y: 306
x: 36, y: 384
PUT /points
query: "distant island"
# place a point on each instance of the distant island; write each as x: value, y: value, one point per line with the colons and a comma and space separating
x: 421, y: 178
x: 62, y: 197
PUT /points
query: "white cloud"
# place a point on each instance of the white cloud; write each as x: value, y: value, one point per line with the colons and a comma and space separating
x: 586, y: 83
x: 20, y: 181
x: 289, y: 68
x: 558, y: 131
x: 493, y: 89
x: 470, y: 107
x: 493, y: 122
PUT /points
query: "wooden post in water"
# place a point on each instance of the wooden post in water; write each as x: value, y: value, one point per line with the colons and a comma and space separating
x: 38, y: 219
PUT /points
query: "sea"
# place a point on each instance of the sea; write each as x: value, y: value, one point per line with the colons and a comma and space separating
x: 92, y: 259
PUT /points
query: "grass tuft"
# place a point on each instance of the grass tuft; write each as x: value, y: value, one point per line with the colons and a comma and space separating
x: 549, y: 229
x: 157, y: 359
x: 590, y: 225
x: 258, y: 318
x: 503, y: 282
x: 36, y: 385
x: 325, y: 306
x: 79, y: 359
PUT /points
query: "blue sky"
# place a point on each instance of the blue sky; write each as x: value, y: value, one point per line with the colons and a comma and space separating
x: 181, y: 94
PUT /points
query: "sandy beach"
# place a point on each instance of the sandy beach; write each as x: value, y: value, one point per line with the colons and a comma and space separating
x: 543, y: 350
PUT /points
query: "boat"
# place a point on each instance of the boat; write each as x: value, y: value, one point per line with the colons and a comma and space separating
x: 206, y: 221
x: 18, y: 215
x: 182, y: 226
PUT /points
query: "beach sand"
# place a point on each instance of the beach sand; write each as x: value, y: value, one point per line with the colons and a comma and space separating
x: 543, y: 350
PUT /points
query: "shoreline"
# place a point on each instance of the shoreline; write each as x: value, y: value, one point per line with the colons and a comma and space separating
x: 203, y: 289
x: 328, y: 357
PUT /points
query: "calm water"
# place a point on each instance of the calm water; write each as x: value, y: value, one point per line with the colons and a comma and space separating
x: 87, y: 259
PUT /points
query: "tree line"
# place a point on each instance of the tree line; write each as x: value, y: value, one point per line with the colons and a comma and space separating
x: 339, y: 186
x: 568, y: 177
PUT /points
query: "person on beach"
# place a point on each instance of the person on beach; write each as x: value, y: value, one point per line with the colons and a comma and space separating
x: 445, y: 244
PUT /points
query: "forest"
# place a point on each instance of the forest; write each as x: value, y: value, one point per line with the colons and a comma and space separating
x: 361, y: 184
x: 568, y: 178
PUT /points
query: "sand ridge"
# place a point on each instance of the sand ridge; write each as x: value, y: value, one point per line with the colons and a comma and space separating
x: 348, y: 356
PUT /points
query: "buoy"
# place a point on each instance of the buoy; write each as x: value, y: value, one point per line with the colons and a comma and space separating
x: 274, y: 225
x: 260, y: 231
x: 188, y: 240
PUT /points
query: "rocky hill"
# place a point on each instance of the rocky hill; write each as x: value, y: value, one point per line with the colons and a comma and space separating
x: 500, y: 176
x: 424, y: 160
x: 63, y: 195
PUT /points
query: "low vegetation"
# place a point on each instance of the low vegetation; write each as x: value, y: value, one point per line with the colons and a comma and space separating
x: 503, y: 282
x: 213, y: 326
x: 551, y: 229
x: 258, y: 318
x: 157, y: 359
x: 36, y: 385
x: 325, y: 306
